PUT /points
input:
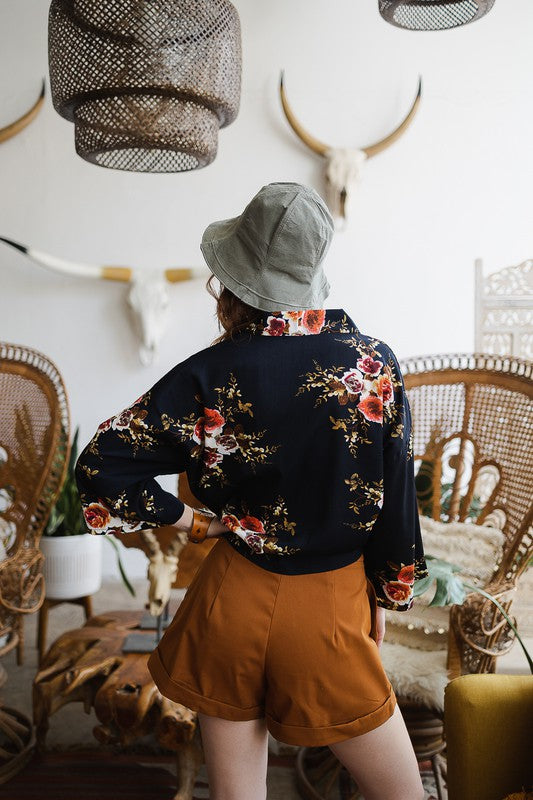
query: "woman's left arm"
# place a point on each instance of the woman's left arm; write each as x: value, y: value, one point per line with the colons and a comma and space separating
x: 116, y: 471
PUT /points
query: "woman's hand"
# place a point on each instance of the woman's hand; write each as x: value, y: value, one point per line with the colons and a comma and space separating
x: 216, y: 528
x: 380, y: 625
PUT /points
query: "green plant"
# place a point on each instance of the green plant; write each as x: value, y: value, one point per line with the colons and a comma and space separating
x: 66, y: 517
x: 451, y: 588
x: 424, y: 492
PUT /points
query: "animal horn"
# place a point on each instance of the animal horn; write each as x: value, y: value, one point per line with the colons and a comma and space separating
x: 19, y: 124
x: 315, y: 145
x: 178, y: 274
x: 374, y: 149
x: 71, y: 267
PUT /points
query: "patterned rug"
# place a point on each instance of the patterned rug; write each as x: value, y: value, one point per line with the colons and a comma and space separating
x: 97, y: 775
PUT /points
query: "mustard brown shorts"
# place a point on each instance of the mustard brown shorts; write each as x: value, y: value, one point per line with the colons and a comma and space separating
x: 300, y: 650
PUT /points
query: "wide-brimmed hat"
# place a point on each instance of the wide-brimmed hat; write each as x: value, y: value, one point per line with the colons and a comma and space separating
x: 270, y: 256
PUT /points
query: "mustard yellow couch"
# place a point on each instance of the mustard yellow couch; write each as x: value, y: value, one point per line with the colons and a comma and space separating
x: 488, y: 723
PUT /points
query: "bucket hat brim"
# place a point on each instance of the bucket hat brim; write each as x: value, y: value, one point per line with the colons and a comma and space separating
x: 221, y: 246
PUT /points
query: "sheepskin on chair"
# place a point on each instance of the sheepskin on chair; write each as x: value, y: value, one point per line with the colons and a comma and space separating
x: 418, y: 675
x: 415, y: 651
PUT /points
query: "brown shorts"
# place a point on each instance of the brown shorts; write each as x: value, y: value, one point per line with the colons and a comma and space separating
x: 300, y: 650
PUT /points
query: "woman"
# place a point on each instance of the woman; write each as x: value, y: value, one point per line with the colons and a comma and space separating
x: 295, y: 433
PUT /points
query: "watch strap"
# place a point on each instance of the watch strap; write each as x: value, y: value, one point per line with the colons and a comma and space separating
x: 200, y: 523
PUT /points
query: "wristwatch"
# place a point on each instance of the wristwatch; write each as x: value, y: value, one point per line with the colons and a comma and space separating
x: 201, y: 519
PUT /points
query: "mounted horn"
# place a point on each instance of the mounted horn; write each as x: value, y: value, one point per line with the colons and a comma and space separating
x: 322, y: 149
x: 374, y: 149
x: 71, y: 267
x: 15, y: 127
x: 314, y: 144
x: 178, y: 274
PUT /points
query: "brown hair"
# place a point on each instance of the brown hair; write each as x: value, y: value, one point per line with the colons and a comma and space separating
x: 232, y: 313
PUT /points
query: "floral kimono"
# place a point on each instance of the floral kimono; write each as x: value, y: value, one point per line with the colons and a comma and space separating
x: 296, y: 433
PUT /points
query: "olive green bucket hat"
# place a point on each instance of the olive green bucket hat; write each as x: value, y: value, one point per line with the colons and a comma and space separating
x: 270, y: 256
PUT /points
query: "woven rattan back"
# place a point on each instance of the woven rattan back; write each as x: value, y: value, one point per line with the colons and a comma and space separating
x: 473, y: 436
x: 34, y: 444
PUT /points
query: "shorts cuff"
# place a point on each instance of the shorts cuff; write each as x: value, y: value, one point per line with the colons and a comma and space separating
x: 329, y: 734
x: 179, y: 693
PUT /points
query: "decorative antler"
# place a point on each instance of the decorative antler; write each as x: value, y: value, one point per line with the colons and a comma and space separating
x: 147, y: 296
x: 15, y: 127
x: 321, y: 149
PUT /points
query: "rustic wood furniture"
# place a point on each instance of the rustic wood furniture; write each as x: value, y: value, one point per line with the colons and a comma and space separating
x: 34, y: 447
x: 85, y: 602
x: 90, y: 665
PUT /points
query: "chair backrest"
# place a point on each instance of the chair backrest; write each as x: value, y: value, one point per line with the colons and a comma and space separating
x: 34, y: 447
x: 473, y: 437
x: 504, y: 311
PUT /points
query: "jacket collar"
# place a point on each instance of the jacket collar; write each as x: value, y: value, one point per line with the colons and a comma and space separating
x: 302, y: 323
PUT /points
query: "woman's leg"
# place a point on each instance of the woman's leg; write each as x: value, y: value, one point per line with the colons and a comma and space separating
x: 383, y: 762
x: 236, y: 756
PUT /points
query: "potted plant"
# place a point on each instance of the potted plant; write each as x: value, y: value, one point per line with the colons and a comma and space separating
x: 73, y: 557
x: 450, y: 588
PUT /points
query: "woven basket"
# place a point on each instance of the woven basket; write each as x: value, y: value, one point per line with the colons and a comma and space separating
x: 433, y: 15
x: 147, y: 84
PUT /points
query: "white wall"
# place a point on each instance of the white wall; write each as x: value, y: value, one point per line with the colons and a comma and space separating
x: 457, y: 186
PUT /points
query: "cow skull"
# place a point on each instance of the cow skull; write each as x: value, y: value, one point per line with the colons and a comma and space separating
x: 343, y: 164
x: 147, y: 298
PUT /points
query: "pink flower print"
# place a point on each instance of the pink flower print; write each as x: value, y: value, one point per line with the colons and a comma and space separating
x: 385, y: 390
x: 231, y: 522
x: 253, y: 524
x: 213, y: 421
x: 353, y: 380
x: 371, y: 408
x: 313, y: 320
x: 198, y: 433
x: 369, y: 366
x: 212, y: 458
x: 398, y: 591
x: 122, y: 420
x: 407, y: 574
x: 226, y: 443
x: 275, y: 326
x: 255, y: 542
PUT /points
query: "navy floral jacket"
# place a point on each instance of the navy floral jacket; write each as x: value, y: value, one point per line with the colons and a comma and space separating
x: 296, y: 433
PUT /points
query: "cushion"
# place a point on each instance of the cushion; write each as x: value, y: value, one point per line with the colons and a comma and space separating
x: 476, y: 549
x: 420, y: 676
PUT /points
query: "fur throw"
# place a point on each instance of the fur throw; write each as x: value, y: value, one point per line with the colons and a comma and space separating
x: 476, y: 549
x: 416, y: 675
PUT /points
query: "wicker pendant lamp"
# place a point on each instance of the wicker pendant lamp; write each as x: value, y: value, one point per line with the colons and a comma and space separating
x: 433, y: 15
x: 147, y: 83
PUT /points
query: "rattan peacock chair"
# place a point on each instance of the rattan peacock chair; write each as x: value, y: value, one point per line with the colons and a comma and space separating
x: 34, y: 445
x: 473, y: 435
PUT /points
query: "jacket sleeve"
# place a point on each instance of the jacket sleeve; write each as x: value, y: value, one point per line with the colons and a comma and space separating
x: 394, y: 556
x: 116, y: 471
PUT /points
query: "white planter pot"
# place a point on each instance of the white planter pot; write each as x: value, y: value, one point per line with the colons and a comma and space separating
x: 72, y: 565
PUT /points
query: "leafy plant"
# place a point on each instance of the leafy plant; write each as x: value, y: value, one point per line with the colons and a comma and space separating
x: 451, y: 588
x: 424, y: 492
x: 66, y: 517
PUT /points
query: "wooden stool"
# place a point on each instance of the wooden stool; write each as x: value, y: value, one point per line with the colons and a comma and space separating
x: 48, y: 603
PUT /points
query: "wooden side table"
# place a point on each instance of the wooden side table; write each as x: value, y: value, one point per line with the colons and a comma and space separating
x: 89, y: 665
x: 48, y: 603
